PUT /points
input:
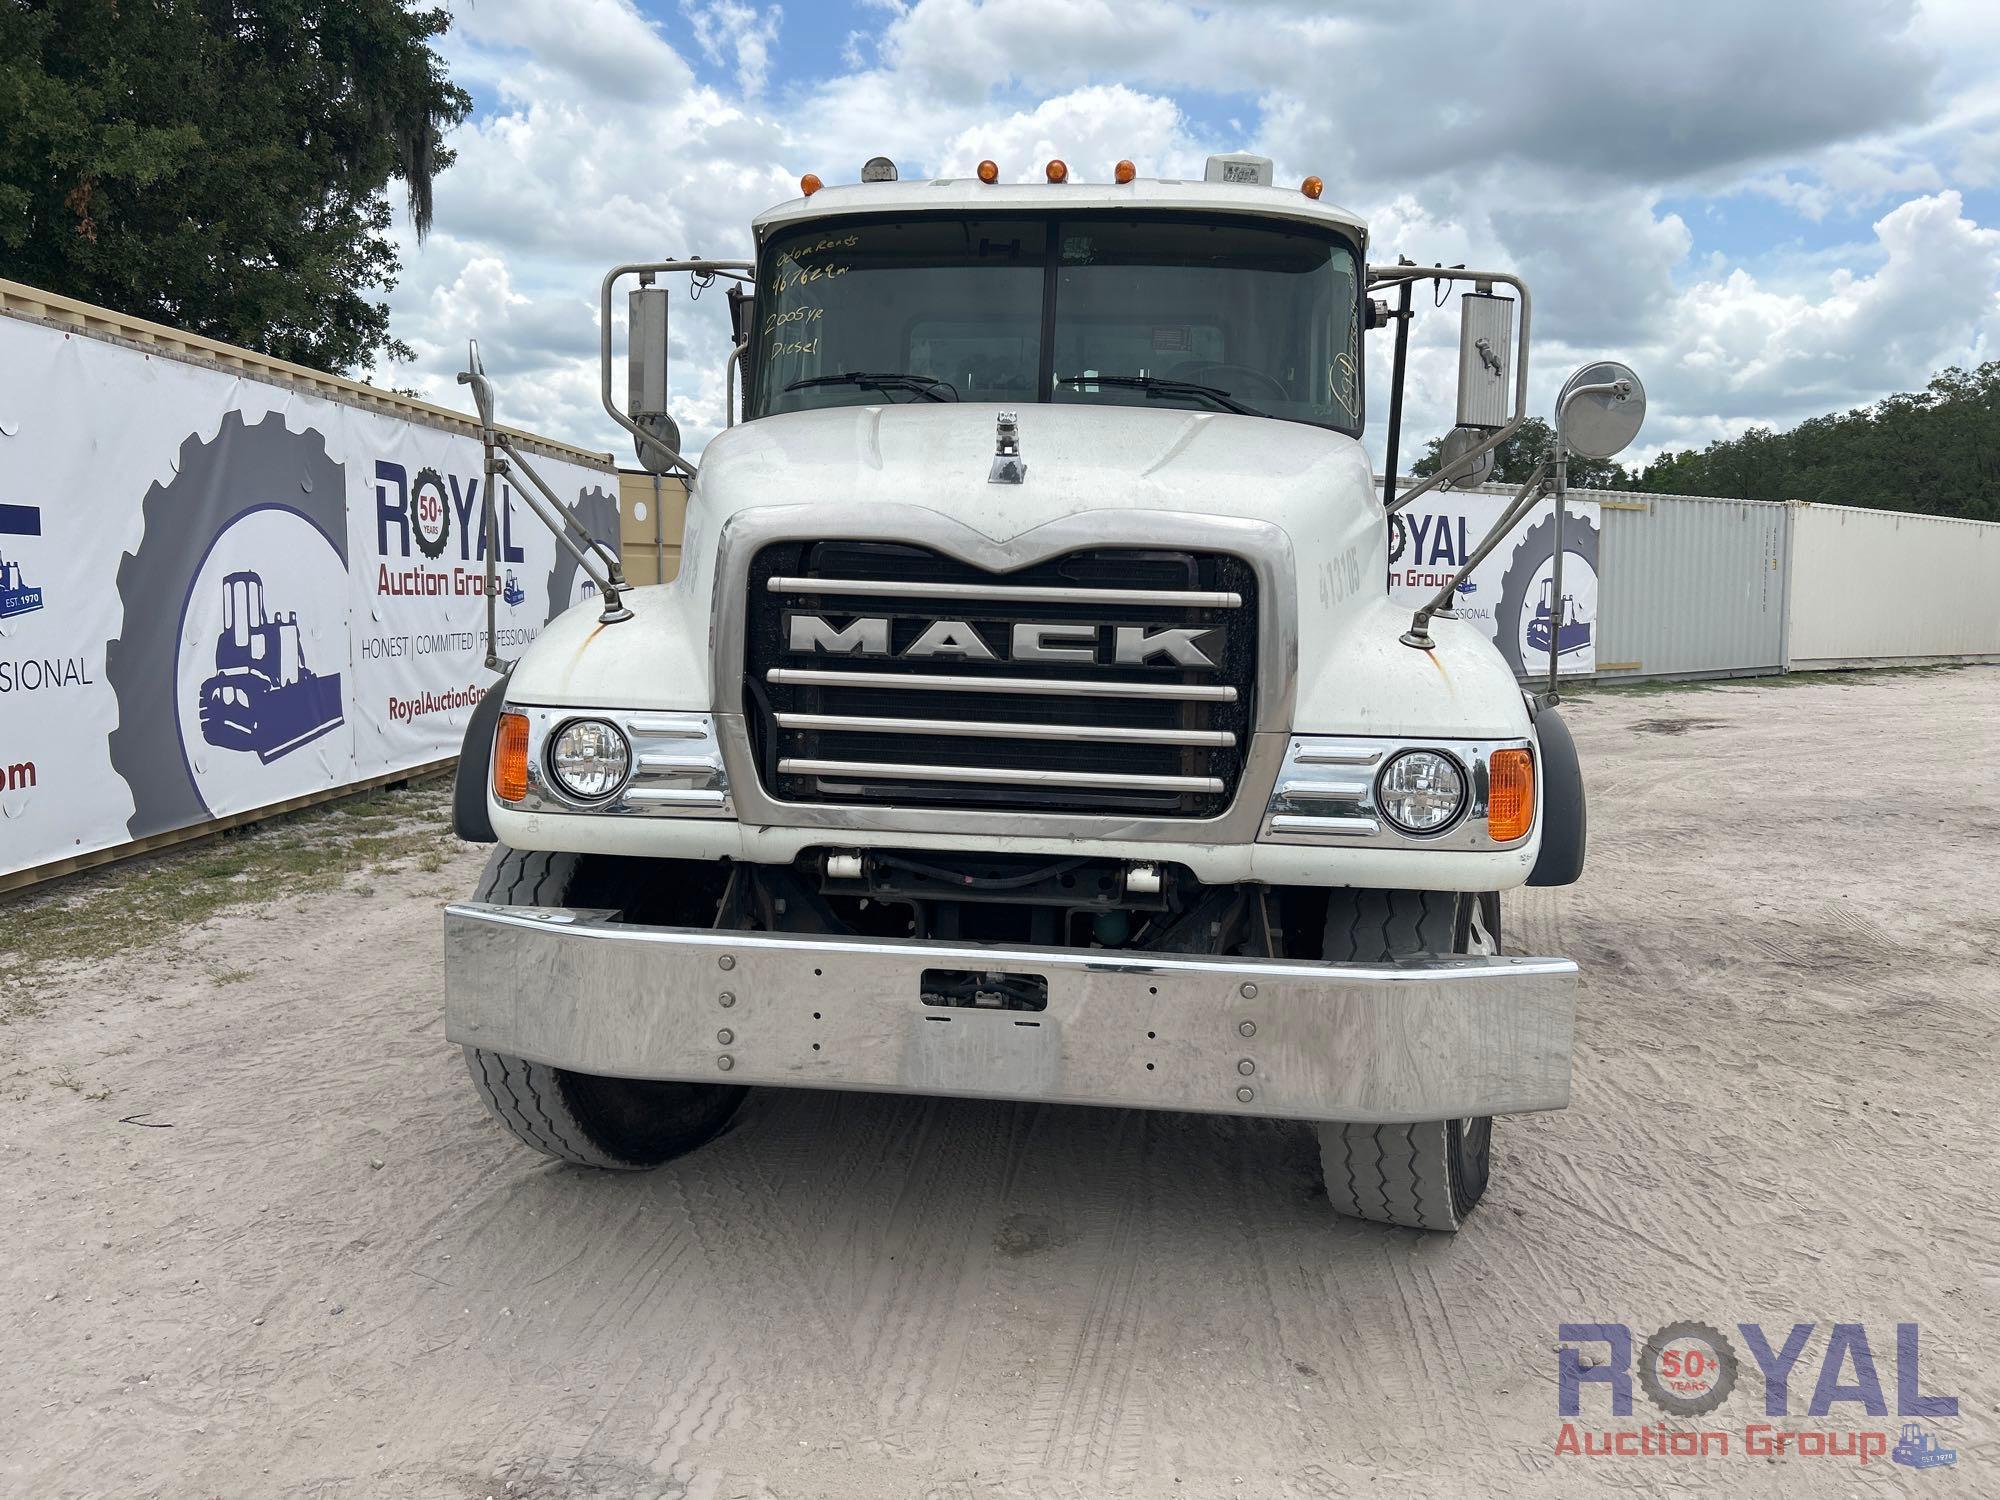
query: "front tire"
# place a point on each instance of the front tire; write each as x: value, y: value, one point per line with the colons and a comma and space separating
x: 1429, y: 1174
x: 620, y: 1124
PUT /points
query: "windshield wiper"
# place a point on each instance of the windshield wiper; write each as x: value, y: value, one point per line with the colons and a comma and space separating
x: 1152, y: 385
x: 926, y: 386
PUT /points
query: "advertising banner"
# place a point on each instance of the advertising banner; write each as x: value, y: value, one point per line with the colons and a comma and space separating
x: 218, y: 593
x: 1511, y: 594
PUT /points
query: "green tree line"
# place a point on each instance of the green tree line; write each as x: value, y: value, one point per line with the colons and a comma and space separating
x: 1936, y: 451
x: 222, y: 165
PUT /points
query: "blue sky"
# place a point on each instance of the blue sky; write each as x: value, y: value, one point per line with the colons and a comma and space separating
x: 1771, y: 210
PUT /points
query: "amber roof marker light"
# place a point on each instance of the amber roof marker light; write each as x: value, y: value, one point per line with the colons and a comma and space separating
x: 1125, y: 171
x: 1058, y: 170
x: 1312, y: 187
x: 989, y: 172
x: 810, y: 184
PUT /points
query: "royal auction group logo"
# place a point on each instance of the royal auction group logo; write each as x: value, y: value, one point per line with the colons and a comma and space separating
x: 1690, y: 1370
x: 17, y: 595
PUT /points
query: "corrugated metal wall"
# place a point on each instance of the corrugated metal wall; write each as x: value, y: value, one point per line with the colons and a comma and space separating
x: 1872, y: 586
x: 1687, y: 585
x: 1690, y: 586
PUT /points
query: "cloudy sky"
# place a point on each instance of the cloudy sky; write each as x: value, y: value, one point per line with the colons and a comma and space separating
x: 1770, y: 209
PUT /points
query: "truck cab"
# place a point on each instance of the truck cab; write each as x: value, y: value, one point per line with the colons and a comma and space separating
x: 1029, y: 719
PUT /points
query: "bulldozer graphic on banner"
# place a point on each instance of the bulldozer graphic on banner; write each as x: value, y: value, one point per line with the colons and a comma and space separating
x: 263, y: 697
x: 1571, y: 633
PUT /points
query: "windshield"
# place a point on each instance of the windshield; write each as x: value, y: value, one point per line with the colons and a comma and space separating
x: 1203, y: 315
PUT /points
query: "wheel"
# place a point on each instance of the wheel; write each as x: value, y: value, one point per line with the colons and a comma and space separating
x: 624, y: 1124
x: 1430, y: 1174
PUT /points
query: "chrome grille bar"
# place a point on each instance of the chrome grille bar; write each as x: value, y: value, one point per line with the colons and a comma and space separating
x: 1001, y: 775
x: 1078, y: 687
x: 1011, y: 730
x: 1004, y: 593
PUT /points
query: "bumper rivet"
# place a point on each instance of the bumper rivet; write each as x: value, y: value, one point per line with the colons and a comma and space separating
x: 1247, y: 1028
x: 1243, y: 1095
x: 1249, y: 992
x: 1246, y: 1067
x: 725, y: 1062
x: 727, y: 999
x: 725, y: 1036
x: 727, y: 961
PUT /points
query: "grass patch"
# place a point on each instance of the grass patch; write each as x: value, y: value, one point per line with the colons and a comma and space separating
x: 151, y: 902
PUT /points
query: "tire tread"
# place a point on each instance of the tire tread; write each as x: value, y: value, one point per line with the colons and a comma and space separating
x: 1391, y: 1174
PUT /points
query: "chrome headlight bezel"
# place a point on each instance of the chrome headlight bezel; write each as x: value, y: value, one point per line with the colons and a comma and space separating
x: 1327, y: 794
x: 674, y: 767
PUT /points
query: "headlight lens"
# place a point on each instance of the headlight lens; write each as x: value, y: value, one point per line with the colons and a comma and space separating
x: 1421, y: 791
x: 589, y: 759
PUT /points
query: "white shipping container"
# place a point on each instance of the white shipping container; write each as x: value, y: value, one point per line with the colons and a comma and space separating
x: 1881, y: 586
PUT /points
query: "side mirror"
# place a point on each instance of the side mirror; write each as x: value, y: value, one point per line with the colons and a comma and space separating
x: 1600, y: 409
x: 1457, y: 472
x: 1485, y: 360
x: 646, y: 378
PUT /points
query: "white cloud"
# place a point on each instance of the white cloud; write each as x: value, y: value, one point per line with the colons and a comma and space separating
x: 726, y: 28
x: 1757, y: 352
x: 1545, y: 140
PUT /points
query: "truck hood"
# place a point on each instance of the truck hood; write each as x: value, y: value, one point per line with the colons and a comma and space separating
x: 1079, y: 458
x: 1313, y: 485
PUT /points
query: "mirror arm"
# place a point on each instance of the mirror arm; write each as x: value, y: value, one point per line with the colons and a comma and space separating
x: 1622, y: 389
x: 598, y: 562
x: 1525, y: 500
x: 651, y: 268
x: 1407, y: 275
x: 474, y: 375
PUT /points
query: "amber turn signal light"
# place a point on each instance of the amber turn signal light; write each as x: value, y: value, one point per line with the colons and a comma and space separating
x: 1058, y: 170
x: 1125, y: 171
x: 1510, y: 796
x: 810, y: 184
x: 989, y: 172
x: 510, y: 758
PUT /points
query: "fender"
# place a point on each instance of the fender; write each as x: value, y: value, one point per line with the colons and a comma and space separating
x: 1565, y: 824
x: 469, y: 819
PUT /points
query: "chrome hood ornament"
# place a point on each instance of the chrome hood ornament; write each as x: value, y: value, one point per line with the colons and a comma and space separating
x: 1008, y: 465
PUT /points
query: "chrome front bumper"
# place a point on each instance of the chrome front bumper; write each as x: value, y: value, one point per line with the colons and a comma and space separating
x: 1425, y: 1039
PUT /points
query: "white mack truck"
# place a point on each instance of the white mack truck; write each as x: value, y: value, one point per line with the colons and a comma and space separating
x: 1029, y: 719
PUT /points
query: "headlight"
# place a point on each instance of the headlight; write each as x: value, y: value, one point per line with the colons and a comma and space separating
x: 1421, y: 791
x: 589, y: 759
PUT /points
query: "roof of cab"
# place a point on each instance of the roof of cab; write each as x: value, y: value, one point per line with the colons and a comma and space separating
x: 955, y: 194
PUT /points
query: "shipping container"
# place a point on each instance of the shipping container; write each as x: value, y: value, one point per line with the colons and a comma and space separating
x: 1885, y: 587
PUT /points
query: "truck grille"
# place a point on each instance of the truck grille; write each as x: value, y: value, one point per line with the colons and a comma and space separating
x: 880, y: 672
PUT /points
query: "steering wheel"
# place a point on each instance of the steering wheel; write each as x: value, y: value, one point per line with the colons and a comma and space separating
x: 1199, y: 372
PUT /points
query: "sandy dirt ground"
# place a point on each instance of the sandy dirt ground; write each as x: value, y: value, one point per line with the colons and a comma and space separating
x: 335, y: 1276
